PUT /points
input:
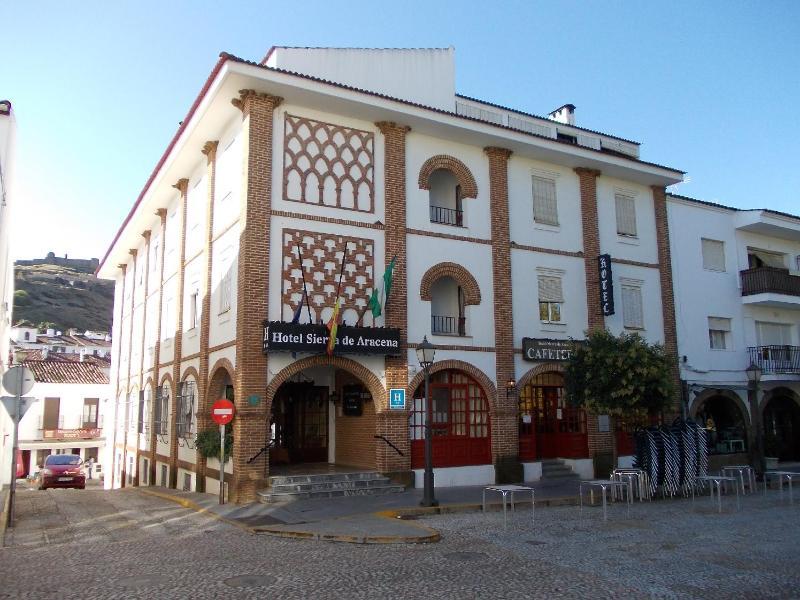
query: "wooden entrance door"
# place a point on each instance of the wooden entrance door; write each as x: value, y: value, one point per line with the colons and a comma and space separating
x: 300, y: 417
x: 549, y: 427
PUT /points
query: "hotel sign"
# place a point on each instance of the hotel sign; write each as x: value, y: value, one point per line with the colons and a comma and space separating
x: 547, y: 350
x: 294, y: 337
x: 606, y: 284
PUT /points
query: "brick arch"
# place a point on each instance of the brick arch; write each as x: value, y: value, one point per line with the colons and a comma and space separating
x: 167, y: 378
x: 367, y: 377
x: 539, y: 370
x: 459, y: 365
x: 221, y: 367
x: 191, y: 371
x: 148, y: 383
x: 472, y: 292
x: 469, y: 189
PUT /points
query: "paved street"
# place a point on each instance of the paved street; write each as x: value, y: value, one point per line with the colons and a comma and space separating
x: 125, y: 544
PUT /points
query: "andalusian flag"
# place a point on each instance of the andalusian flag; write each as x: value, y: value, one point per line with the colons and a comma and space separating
x: 333, y: 326
x: 374, y: 304
x: 387, y: 281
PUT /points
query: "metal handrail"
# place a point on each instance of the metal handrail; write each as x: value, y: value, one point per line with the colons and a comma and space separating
x: 260, y: 452
x: 396, y: 449
x: 447, y: 216
x: 776, y: 358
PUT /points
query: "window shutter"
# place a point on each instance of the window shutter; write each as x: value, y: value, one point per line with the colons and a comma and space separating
x: 550, y: 289
x: 157, y: 410
x: 545, y: 207
x: 632, y: 307
x: 626, y: 215
x: 713, y: 255
x: 141, y: 412
x: 719, y: 323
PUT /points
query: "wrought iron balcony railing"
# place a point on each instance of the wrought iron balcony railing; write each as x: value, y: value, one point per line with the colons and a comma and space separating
x: 776, y: 359
x: 764, y: 280
x: 448, y: 325
x: 447, y: 216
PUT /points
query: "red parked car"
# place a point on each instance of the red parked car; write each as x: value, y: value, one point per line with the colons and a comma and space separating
x: 62, y: 470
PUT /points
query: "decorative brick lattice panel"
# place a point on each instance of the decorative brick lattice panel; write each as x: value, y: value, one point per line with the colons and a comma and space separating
x: 322, y: 262
x: 328, y: 164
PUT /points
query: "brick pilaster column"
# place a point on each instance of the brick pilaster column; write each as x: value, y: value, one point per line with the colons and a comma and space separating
x: 124, y: 270
x: 204, y: 402
x: 591, y: 245
x: 667, y: 293
x: 505, y: 431
x: 394, y: 181
x: 252, y: 419
x: 162, y: 214
x: 183, y: 187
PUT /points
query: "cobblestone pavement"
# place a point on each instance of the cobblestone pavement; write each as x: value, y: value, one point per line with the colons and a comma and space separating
x: 124, y: 544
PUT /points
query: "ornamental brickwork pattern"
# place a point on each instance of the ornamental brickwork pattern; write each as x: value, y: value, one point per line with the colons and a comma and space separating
x: 327, y: 164
x: 321, y: 264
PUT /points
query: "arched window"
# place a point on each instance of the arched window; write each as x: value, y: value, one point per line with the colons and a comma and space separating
x: 548, y: 426
x: 162, y: 409
x: 185, y: 422
x: 461, y: 428
x: 445, y: 199
x: 448, y: 310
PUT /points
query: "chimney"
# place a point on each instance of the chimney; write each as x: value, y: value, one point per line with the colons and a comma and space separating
x: 563, y: 114
x: 45, y: 352
x: 51, y: 332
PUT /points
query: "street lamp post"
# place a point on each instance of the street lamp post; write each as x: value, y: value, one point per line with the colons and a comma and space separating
x: 425, y: 356
x: 757, y: 451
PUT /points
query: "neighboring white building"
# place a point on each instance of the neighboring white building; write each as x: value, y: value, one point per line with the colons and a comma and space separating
x: 496, y: 218
x: 67, y: 416
x: 89, y: 343
x: 737, y: 290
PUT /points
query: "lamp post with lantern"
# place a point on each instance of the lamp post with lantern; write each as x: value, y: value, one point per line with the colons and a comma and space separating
x: 425, y: 355
x: 754, y: 373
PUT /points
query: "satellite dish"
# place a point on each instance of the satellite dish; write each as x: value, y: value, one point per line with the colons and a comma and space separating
x: 18, y: 380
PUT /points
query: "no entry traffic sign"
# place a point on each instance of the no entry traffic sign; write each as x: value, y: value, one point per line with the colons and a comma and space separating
x: 222, y: 411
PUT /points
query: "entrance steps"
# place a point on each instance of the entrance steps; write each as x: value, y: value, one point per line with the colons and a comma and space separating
x: 555, y: 468
x: 327, y: 485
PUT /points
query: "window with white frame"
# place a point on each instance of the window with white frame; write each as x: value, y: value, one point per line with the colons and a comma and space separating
x: 632, y: 312
x: 626, y: 214
x: 133, y: 410
x: 551, y: 296
x: 713, y: 254
x: 545, y: 205
x: 719, y: 333
x: 194, y: 310
x: 226, y: 286
x: 184, y: 423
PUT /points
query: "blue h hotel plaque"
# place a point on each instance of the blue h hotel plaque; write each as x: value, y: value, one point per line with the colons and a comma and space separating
x: 606, y: 285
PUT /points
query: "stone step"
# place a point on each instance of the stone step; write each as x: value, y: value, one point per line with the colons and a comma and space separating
x: 330, y: 485
x: 269, y: 497
x: 313, y: 478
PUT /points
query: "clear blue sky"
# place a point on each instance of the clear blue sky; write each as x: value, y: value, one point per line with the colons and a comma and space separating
x: 98, y: 88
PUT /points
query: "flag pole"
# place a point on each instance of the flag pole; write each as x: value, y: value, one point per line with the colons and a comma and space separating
x: 341, y: 272
x: 303, y: 275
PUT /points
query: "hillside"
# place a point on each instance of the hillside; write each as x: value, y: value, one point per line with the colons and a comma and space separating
x: 62, y: 295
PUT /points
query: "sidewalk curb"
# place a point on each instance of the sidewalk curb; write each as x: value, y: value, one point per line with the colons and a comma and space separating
x: 4, y: 517
x: 184, y: 502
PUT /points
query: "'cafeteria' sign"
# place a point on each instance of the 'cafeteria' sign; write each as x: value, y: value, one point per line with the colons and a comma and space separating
x: 546, y: 350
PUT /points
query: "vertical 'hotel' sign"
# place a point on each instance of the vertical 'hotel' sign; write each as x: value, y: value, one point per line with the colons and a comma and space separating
x: 606, y: 285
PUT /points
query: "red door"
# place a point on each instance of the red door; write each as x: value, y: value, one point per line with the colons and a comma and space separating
x: 548, y: 426
x: 460, y: 422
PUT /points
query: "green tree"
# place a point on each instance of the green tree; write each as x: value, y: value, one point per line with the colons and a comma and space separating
x: 21, y: 298
x: 619, y: 375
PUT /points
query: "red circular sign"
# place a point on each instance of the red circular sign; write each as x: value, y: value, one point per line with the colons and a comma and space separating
x: 222, y: 411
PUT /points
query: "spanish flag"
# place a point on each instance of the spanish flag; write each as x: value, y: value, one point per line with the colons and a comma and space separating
x: 333, y: 325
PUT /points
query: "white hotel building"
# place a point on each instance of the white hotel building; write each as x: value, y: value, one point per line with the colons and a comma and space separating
x: 372, y: 155
x: 737, y: 294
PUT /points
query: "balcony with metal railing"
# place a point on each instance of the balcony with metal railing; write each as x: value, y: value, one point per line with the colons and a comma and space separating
x: 776, y: 359
x: 770, y: 286
x: 447, y: 216
x: 445, y: 325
